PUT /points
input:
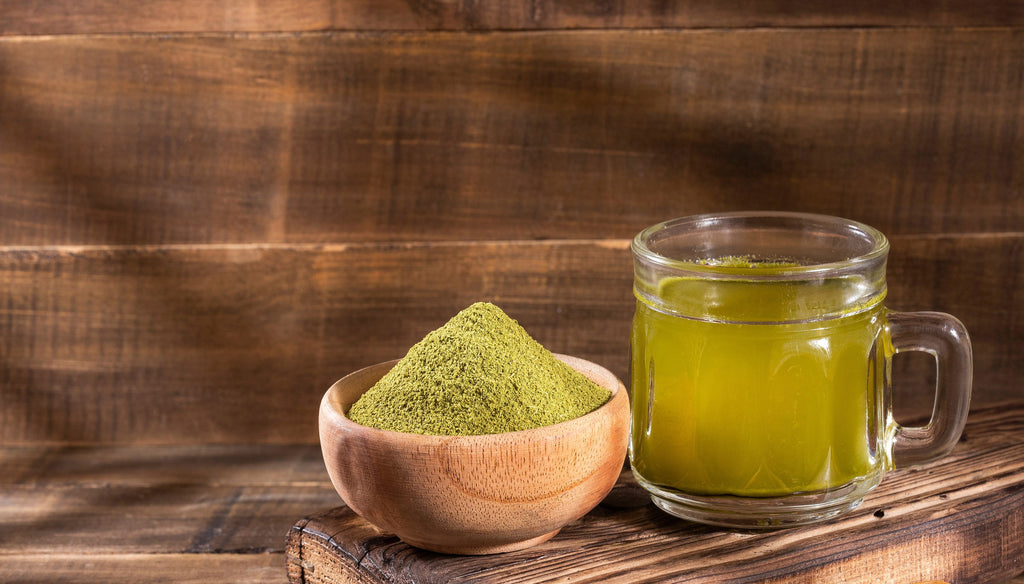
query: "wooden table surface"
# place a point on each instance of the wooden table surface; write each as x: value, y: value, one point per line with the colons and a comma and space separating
x: 156, y: 513
x: 957, y: 519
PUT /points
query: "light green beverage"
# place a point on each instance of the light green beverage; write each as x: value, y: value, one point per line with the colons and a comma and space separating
x: 761, y: 351
x: 725, y: 407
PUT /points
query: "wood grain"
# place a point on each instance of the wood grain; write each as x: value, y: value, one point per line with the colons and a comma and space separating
x: 958, y: 520
x: 339, y: 137
x: 207, y: 513
x: 157, y: 500
x: 92, y: 16
x: 142, y: 568
x: 238, y: 343
x: 955, y: 275
x: 161, y: 518
x: 45, y: 475
x: 217, y: 465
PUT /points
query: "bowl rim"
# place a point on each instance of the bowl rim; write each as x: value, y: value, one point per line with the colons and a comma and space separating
x: 331, y: 403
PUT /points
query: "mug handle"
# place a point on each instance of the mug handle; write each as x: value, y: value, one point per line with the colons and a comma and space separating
x: 945, y: 338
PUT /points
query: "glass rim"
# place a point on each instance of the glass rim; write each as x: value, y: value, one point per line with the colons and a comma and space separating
x: 879, y: 250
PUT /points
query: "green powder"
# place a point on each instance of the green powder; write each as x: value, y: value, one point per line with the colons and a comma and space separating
x: 481, y: 373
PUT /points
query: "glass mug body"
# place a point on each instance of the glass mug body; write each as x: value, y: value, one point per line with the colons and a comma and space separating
x: 759, y: 374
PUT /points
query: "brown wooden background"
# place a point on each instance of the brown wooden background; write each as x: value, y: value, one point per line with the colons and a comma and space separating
x: 209, y: 212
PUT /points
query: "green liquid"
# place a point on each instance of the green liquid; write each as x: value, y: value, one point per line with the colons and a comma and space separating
x: 756, y: 410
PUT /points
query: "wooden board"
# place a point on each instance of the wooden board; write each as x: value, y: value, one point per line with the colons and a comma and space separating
x: 333, y: 138
x: 957, y: 520
x: 238, y: 343
x: 207, y: 499
x: 126, y: 490
x: 134, y: 534
x: 91, y: 16
x: 152, y: 568
x: 141, y: 514
x: 200, y: 232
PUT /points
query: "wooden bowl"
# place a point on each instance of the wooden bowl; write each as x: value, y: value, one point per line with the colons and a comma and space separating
x: 474, y: 494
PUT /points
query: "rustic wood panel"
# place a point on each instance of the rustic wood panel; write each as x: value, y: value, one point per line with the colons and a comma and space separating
x: 158, y: 500
x: 160, y: 519
x: 167, y: 518
x: 238, y: 343
x: 75, y: 568
x: 97, y: 16
x: 957, y: 520
x: 139, y: 140
x: 220, y: 465
x: 208, y: 513
x: 956, y: 275
x: 260, y: 557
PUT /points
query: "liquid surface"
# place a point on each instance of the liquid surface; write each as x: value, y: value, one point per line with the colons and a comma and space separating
x: 726, y: 408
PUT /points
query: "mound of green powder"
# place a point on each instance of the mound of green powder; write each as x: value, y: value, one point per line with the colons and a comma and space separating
x: 481, y: 373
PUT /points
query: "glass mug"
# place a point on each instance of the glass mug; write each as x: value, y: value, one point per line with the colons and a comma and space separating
x: 760, y: 369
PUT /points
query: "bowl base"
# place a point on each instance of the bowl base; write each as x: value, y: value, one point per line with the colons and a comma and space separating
x: 480, y: 550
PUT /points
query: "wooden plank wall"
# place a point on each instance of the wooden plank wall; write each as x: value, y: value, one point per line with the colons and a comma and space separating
x: 211, y: 211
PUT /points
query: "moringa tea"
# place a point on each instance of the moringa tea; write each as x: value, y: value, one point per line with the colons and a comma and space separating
x: 762, y: 410
x: 480, y: 373
x: 761, y: 351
